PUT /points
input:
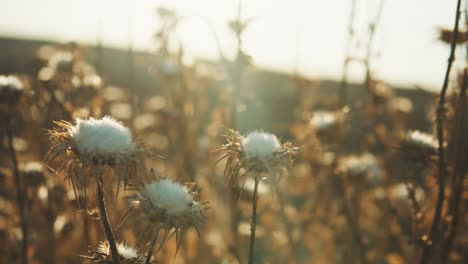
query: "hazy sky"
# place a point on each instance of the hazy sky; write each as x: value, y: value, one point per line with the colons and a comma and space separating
x: 306, y: 35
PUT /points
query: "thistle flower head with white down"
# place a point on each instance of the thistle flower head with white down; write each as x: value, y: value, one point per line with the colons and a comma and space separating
x: 365, y: 165
x: 62, y: 61
x: 167, y: 205
x: 257, y: 152
x: 94, y: 143
x: 260, y: 145
x: 329, y: 126
x: 128, y: 255
x: 323, y: 120
x: 33, y: 174
x: 421, y: 139
x: 419, y: 146
x: 11, y: 89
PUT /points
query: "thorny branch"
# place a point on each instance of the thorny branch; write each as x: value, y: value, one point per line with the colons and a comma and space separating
x: 105, y: 220
x: 253, y: 225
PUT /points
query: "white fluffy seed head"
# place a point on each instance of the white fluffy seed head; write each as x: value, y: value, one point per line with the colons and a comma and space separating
x: 421, y: 139
x: 401, y: 104
x: 33, y: 167
x: 401, y: 192
x: 11, y: 89
x: 365, y: 164
x: 169, y: 196
x: 125, y: 252
x: 260, y: 145
x: 102, y: 137
x: 323, y: 120
x: 353, y: 165
x: 10, y: 83
x: 62, y: 61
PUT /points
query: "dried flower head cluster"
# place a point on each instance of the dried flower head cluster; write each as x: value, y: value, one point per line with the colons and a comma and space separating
x: 62, y: 61
x: 323, y: 120
x: 257, y: 152
x: 365, y: 165
x: 401, y: 105
x: 167, y: 205
x: 91, y: 143
x: 404, y: 193
x: 127, y: 254
x: 419, y: 146
x: 33, y: 174
x: 328, y: 126
x: 11, y: 89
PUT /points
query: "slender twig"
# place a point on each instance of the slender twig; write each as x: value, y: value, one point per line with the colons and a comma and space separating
x: 253, y: 225
x: 19, y: 189
x: 105, y: 220
x: 239, y: 69
x: 237, y: 75
x: 99, y: 49
x: 130, y: 58
x: 440, y: 136
x: 349, y: 40
x: 370, y: 41
x: 459, y: 171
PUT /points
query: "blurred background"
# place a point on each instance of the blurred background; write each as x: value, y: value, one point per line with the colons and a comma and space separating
x: 302, y: 37
x: 353, y: 83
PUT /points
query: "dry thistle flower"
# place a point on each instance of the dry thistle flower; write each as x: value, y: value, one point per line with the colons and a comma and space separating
x: 11, y: 89
x: 365, y: 165
x: 62, y: 61
x: 323, y: 120
x: 167, y: 205
x: 402, y: 192
x: 257, y: 152
x: 127, y: 254
x: 328, y: 126
x: 87, y: 82
x: 33, y: 174
x: 381, y: 90
x: 419, y: 146
x: 400, y: 105
x: 85, y: 88
x: 91, y: 144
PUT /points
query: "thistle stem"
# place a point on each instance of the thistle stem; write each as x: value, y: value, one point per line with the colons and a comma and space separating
x: 253, y: 226
x: 459, y: 172
x: 105, y: 221
x: 150, y: 251
x: 343, y: 92
x: 19, y: 191
x: 440, y: 136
